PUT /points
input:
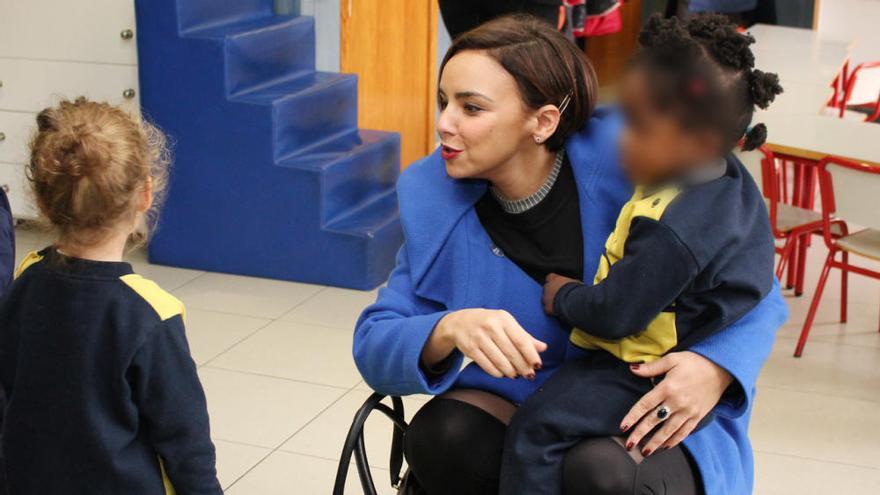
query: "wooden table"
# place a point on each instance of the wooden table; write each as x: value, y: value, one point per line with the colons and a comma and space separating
x: 807, y: 62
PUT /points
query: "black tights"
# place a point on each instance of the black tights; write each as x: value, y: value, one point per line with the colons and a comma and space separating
x: 454, y: 448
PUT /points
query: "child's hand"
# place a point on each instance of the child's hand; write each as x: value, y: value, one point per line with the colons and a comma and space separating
x: 551, y: 287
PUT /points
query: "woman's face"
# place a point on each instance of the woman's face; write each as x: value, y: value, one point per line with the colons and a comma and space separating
x: 483, y: 121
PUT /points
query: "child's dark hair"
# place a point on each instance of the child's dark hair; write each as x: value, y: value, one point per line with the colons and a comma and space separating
x: 702, y: 69
x: 89, y: 160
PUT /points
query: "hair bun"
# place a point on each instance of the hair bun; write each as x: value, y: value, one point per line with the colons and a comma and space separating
x: 75, y: 151
x: 755, y: 137
x: 727, y: 45
x: 666, y: 35
x: 763, y: 87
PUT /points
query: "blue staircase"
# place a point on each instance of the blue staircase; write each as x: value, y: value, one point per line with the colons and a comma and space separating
x: 271, y: 176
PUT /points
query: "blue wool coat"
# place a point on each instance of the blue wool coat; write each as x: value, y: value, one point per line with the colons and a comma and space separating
x: 448, y: 263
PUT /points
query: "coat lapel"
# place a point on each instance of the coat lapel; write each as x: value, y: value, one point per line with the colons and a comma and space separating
x: 432, y: 205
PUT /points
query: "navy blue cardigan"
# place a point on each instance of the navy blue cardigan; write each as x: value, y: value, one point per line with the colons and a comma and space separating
x: 447, y: 263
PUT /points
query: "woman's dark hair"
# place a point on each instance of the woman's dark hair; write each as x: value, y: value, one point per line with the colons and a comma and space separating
x: 703, y: 70
x: 547, y: 67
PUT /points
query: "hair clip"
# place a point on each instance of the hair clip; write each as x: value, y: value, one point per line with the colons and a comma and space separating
x: 564, y: 103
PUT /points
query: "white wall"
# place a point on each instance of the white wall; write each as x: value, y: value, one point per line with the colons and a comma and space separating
x: 326, y: 14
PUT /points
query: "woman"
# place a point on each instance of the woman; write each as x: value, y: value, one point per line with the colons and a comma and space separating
x: 521, y: 188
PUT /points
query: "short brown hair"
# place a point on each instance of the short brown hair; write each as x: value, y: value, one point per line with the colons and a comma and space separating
x: 89, y: 161
x: 547, y: 67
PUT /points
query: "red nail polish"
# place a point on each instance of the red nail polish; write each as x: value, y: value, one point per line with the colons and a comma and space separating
x: 530, y: 376
x: 629, y: 445
x: 624, y: 427
x: 646, y: 452
x: 538, y: 366
x: 634, y: 367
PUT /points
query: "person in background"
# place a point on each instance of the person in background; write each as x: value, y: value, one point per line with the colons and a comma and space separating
x: 7, y: 261
x: 742, y: 12
x: 7, y: 244
x: 461, y: 16
x: 102, y: 394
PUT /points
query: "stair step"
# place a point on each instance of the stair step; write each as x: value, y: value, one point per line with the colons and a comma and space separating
x: 194, y: 14
x: 261, y: 50
x: 325, y: 154
x: 368, y: 218
x: 223, y: 30
x: 307, y: 108
x: 354, y: 168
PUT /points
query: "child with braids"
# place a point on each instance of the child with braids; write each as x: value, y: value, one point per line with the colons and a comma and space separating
x: 690, y: 254
x: 102, y: 394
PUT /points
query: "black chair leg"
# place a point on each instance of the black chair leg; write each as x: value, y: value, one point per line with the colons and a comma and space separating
x: 354, y: 445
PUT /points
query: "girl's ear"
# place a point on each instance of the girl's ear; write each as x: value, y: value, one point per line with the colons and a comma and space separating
x: 546, y: 122
x: 146, y: 196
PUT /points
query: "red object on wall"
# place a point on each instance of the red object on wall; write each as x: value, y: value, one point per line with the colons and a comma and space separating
x: 595, y: 17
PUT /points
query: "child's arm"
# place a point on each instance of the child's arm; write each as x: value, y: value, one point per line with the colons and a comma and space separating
x: 656, y: 267
x: 171, y: 402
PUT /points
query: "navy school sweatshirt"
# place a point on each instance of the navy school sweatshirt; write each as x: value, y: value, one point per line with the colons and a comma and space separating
x: 102, y: 394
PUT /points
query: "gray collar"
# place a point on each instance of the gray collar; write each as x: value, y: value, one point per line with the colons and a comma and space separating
x: 696, y: 176
x: 522, y: 205
x: 706, y: 173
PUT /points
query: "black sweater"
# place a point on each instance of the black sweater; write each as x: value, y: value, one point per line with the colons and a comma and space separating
x: 102, y: 392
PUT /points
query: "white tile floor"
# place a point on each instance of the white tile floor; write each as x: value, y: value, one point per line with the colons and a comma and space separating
x: 275, y: 361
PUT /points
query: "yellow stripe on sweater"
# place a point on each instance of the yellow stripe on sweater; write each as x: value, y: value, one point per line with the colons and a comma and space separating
x: 169, y: 488
x: 165, y: 305
x: 30, y: 259
x: 661, y: 334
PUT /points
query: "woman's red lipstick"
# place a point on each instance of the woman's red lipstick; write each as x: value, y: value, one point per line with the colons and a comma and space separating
x: 448, y: 153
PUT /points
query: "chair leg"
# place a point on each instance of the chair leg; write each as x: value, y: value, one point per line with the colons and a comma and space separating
x: 783, y: 257
x: 792, y: 263
x: 805, y: 331
x: 801, y: 265
x: 844, y: 276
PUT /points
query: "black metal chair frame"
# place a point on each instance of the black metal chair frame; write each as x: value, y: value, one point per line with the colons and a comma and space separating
x: 354, y: 445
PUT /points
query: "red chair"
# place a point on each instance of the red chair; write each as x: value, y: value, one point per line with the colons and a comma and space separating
x: 857, y: 186
x: 791, y: 224
x: 843, y: 99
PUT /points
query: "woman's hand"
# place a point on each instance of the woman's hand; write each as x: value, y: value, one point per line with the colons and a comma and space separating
x: 692, y: 387
x: 492, y: 338
x: 552, y: 285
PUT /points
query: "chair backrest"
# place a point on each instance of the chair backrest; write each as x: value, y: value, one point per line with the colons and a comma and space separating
x: 852, y: 189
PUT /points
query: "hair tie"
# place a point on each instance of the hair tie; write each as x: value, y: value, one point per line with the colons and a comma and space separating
x: 697, y: 87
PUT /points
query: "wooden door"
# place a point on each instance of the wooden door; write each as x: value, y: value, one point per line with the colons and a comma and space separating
x: 391, y: 46
x: 609, y: 53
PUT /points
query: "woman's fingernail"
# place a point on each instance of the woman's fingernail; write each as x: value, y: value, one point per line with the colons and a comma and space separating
x: 629, y: 445
x: 634, y: 367
x: 624, y: 427
x: 538, y: 366
x: 646, y: 452
x: 530, y: 376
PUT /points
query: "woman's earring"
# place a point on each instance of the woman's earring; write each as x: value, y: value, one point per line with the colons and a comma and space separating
x: 538, y: 139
